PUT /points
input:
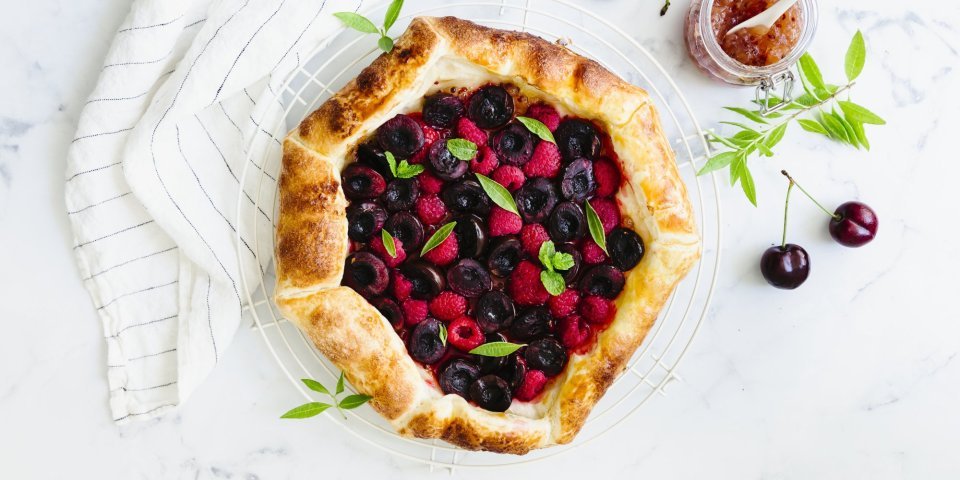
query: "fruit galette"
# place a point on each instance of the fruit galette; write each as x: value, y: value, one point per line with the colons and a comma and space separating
x: 479, y: 230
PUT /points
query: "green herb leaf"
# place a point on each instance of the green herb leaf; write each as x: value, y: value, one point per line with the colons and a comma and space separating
x: 404, y: 169
x: 810, y: 71
x: 385, y: 43
x: 562, y: 261
x: 717, y: 162
x: 847, y: 128
x: 537, y: 128
x: 746, y: 129
x: 353, y: 401
x: 856, y: 113
x: 388, y: 242
x: 497, y: 349
x: 356, y: 22
x: 553, y: 282
x: 547, y: 250
x: 443, y: 334
x: 856, y: 57
x: 775, y: 135
x: 746, y: 182
x: 392, y: 162
x: 315, y: 385
x: 812, y: 126
x: 393, y: 11
x: 462, y: 148
x: 438, y: 237
x: 714, y: 138
x: 596, y: 227
x: 340, y: 384
x: 834, y: 127
x: 861, y: 135
x: 306, y: 410
x: 747, y: 113
x: 498, y: 193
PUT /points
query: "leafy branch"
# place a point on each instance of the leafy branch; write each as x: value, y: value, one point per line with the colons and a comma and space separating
x: 819, y: 103
x: 312, y: 409
x: 363, y: 24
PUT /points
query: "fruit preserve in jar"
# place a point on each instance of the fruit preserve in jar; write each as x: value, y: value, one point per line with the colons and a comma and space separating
x: 748, y: 57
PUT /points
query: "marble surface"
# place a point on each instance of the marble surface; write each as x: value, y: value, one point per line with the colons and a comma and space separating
x: 854, y: 375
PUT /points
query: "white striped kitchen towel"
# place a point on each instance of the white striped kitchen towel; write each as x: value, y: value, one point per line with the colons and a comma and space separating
x: 153, y: 177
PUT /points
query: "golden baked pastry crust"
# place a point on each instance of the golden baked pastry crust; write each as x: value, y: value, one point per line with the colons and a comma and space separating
x: 312, y: 243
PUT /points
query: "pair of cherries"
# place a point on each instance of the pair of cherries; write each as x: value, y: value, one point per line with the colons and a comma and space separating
x: 787, y: 266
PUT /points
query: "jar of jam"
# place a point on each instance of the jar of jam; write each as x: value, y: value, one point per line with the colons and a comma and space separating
x: 749, y: 57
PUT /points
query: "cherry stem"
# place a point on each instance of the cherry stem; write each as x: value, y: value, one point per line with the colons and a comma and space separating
x: 814, y: 200
x: 786, y: 208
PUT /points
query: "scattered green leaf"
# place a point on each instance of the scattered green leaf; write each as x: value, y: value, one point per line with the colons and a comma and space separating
x: 438, y: 237
x: 388, y: 243
x: 353, y: 401
x: 596, y: 227
x: 462, y: 148
x: 856, y: 57
x: 497, y: 349
x: 306, y: 410
x: 340, y: 384
x: 553, y: 282
x: 856, y: 113
x: 385, y: 43
x: 537, y: 128
x: 315, y: 385
x: 357, y: 22
x: 393, y: 12
x: 498, y: 193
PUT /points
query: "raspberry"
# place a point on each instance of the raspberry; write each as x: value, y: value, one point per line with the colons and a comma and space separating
x: 533, y: 383
x: 485, y: 161
x: 401, y: 286
x: 525, y: 286
x: 445, y: 253
x: 509, y: 176
x: 502, y: 222
x: 597, y: 310
x: 574, y: 331
x: 592, y: 253
x: 545, y: 161
x: 564, y: 304
x: 608, y: 211
x: 448, y: 306
x: 546, y: 114
x: 377, y: 246
x: 607, y: 177
x: 531, y: 237
x: 470, y: 131
x: 414, y: 311
x: 430, y: 135
x: 429, y: 184
x: 431, y: 209
x: 464, y: 334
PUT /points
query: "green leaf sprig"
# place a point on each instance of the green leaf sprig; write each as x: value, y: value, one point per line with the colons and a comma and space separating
x: 402, y: 169
x: 537, y: 128
x: 498, y: 193
x: 462, y: 148
x: 363, y: 24
x: 438, y: 237
x: 554, y: 262
x: 596, y: 227
x: 497, y: 349
x: 313, y: 409
x: 820, y: 100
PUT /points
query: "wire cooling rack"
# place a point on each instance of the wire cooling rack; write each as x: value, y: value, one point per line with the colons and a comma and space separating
x: 333, y: 64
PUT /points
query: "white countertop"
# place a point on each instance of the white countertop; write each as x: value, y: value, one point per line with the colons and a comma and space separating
x: 854, y: 375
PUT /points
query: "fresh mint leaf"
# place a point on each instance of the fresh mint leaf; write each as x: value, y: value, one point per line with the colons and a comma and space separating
x: 562, y: 261
x: 462, y: 148
x: 537, y: 128
x: 553, y: 282
x: 547, y: 250
x: 497, y: 349
x: 385, y: 43
x: 596, y: 227
x: 392, y: 162
x: 406, y: 170
x: 498, y: 193
x: 388, y: 244
x: 438, y: 237
x: 393, y: 11
x: 353, y: 401
x: 306, y: 410
x: 856, y: 57
x: 357, y: 22
x: 315, y: 385
x: 856, y: 113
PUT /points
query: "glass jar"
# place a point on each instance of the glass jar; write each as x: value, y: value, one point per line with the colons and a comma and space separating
x: 709, y: 56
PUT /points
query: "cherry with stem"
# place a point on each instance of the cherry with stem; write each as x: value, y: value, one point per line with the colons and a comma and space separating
x: 852, y: 224
x: 785, y: 266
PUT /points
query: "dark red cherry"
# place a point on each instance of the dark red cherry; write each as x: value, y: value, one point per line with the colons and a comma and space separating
x: 513, y: 145
x: 492, y: 393
x: 366, y: 274
x: 536, y: 199
x: 571, y: 274
x: 426, y: 279
x: 401, y: 194
x: 490, y: 364
x: 577, y: 139
x: 469, y: 278
x: 625, y: 247
x: 466, y: 196
x: 577, y: 183
x: 490, y: 107
x: 854, y: 224
x: 424, y: 342
x: 514, y: 369
x: 371, y: 155
x: 401, y: 136
x: 407, y: 228
x: 505, y: 256
x: 364, y: 220
x: 442, y: 110
x: 567, y: 223
x: 785, y: 267
x: 361, y: 182
x: 443, y: 164
x: 390, y: 310
x: 604, y: 280
x: 494, y: 311
x: 471, y: 235
x: 547, y: 355
x: 531, y: 324
x: 457, y: 376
